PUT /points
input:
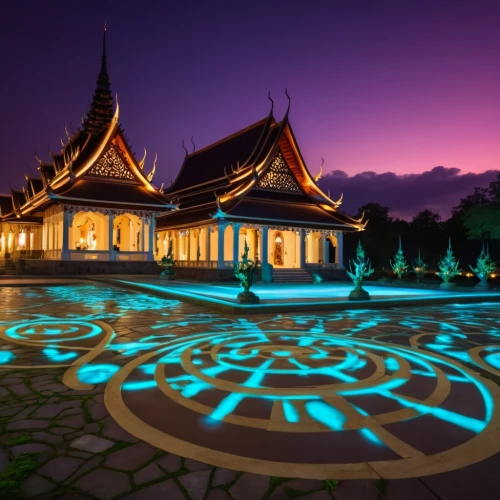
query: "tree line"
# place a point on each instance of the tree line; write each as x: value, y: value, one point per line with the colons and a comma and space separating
x: 474, y: 221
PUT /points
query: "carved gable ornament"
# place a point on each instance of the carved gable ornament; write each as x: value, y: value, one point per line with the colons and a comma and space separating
x: 111, y: 164
x: 279, y: 176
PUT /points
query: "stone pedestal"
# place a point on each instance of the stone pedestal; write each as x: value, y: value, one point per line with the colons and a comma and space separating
x: 358, y: 293
x: 448, y: 286
x: 247, y: 298
x: 167, y: 275
x: 482, y: 285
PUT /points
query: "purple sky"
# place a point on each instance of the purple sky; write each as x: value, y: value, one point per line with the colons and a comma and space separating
x: 385, y: 86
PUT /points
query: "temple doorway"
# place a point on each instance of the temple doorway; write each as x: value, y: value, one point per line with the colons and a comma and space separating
x: 278, y: 249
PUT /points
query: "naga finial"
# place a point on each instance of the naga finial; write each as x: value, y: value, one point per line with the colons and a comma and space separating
x: 192, y: 142
x: 318, y: 177
x: 185, y: 149
x: 152, y: 173
x: 141, y: 163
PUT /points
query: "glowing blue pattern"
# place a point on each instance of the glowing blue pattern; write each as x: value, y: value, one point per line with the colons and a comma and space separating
x: 6, y: 357
x: 96, y: 374
x: 57, y: 357
x: 326, y: 414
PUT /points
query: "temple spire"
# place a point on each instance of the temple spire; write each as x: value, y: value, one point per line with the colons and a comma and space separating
x: 101, y: 109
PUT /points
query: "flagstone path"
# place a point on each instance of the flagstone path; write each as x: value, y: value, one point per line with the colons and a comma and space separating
x: 73, y: 448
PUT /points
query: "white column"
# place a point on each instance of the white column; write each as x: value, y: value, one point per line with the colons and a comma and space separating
x: 236, y: 243
x: 111, y: 220
x: 207, y: 243
x: 340, y: 250
x: 326, y: 249
x: 302, y: 237
x: 264, y: 245
x: 220, y: 246
x: 151, y: 238
x: 65, y: 235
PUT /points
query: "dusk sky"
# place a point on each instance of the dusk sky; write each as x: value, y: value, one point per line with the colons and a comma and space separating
x: 376, y: 86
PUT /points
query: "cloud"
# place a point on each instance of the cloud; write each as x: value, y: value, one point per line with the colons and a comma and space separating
x: 439, y: 189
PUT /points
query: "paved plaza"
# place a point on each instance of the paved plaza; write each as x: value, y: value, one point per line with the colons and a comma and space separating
x: 111, y: 393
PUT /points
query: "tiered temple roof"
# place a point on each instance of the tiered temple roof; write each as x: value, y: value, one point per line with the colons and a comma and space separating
x: 95, y: 168
x: 255, y: 176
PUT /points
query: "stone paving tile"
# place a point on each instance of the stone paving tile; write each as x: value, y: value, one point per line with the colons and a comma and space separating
x: 49, y: 411
x: 92, y: 444
x: 170, y: 463
x: 356, y: 489
x: 194, y: 465
x: 249, y: 486
x: 104, y: 484
x: 98, y: 411
x: 131, y: 457
x: 48, y: 438
x: 223, y: 476
x: 60, y: 468
x: 196, y: 483
x: 24, y: 414
x: 302, y: 485
x: 148, y: 474
x: 218, y: 495
x: 74, y: 421
x: 29, y: 448
x: 166, y: 490
x: 27, y: 424
x: 3, y: 392
x: 113, y: 431
x: 36, y: 485
x: 407, y: 489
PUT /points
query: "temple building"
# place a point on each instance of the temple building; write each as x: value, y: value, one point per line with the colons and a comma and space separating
x: 92, y: 201
x: 252, y: 189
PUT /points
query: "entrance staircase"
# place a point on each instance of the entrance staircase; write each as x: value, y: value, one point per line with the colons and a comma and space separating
x: 281, y: 275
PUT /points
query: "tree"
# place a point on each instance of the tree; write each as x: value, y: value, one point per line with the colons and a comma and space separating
x: 482, y: 222
x: 448, y: 265
x: 399, y: 266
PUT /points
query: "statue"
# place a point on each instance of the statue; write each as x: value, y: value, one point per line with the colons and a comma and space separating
x: 244, y: 273
x: 358, y: 273
x: 484, y: 267
x: 168, y: 262
x: 448, y: 269
x: 419, y: 268
x: 317, y: 278
x: 399, y: 266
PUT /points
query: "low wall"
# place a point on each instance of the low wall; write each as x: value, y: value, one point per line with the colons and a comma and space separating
x: 207, y: 274
x: 35, y: 267
x: 329, y: 274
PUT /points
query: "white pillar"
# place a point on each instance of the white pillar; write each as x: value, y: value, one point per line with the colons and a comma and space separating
x: 207, y: 243
x: 65, y: 235
x: 151, y: 238
x: 220, y: 246
x: 326, y: 249
x: 264, y: 245
x: 236, y: 243
x: 340, y: 250
x: 302, y: 236
x: 111, y: 220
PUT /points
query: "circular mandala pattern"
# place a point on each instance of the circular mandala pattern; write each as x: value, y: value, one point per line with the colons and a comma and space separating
x: 307, y: 404
x: 50, y: 331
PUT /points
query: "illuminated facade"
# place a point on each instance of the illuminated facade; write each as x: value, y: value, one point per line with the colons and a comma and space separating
x: 253, y: 186
x: 93, y: 201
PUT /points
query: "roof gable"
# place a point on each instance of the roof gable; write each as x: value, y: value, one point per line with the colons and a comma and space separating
x: 111, y: 165
x: 213, y: 162
x: 279, y: 176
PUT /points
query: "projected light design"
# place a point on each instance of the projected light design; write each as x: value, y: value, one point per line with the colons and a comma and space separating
x: 358, y: 391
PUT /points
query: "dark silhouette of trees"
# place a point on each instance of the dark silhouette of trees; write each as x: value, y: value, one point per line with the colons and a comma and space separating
x: 474, y: 220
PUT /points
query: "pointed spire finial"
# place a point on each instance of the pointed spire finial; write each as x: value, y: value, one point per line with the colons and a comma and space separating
x: 272, y: 102
x: 101, y: 109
